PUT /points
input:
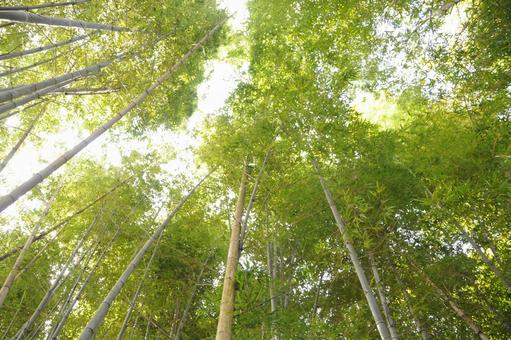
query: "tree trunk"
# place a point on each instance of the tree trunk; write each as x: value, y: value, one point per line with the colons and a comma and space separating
x: 12, y: 113
x: 11, y: 55
x: 69, y: 218
x: 90, y: 330
x: 457, y: 309
x: 271, y: 270
x: 25, y: 329
x: 315, y: 305
x: 15, y: 194
x: 27, y: 99
x: 52, y: 4
x: 408, y: 301
x: 23, y: 68
x: 251, y: 201
x: 86, y: 91
x: 23, y: 90
x: 61, y: 311
x: 4, y: 336
x: 225, y: 319
x: 32, y: 18
x: 124, y: 326
x: 69, y: 310
x: 373, y: 305
x: 19, y: 260
x: 383, y: 299
x: 483, y: 256
x: 190, y: 300
x: 16, y: 147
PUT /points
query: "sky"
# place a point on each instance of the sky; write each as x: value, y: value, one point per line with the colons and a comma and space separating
x: 221, y: 79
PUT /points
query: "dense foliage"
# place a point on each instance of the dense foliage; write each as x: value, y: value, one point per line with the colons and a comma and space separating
x: 423, y: 193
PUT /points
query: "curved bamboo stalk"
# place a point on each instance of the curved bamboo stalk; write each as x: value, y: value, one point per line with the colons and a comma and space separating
x: 68, y: 312
x: 383, y: 299
x: 32, y: 18
x: 124, y: 326
x: 373, y: 305
x: 51, y: 4
x: 11, y: 55
x: 90, y: 329
x: 18, y: 144
x: 190, y: 300
x: 251, y: 201
x: 25, y: 329
x: 63, y: 222
x: 4, y: 291
x: 15, y: 194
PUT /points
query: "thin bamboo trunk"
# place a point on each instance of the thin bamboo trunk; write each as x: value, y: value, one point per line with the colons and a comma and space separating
x: 11, y: 55
x: 15, y: 194
x: 124, y: 326
x: 271, y: 272
x: 454, y: 306
x: 90, y: 330
x: 373, y: 305
x: 315, y: 305
x: 383, y: 299
x: 498, y: 273
x: 12, y: 113
x: 24, y: 90
x: 225, y: 319
x: 25, y: 329
x: 4, y: 291
x: 32, y: 18
x: 35, y: 95
x: 51, y: 4
x: 4, y: 336
x: 62, y: 310
x: 69, y: 218
x: 69, y: 310
x: 493, y: 247
x: 18, y: 144
x: 24, y: 68
x: 190, y: 300
x: 251, y: 201
x: 421, y: 329
x: 85, y: 91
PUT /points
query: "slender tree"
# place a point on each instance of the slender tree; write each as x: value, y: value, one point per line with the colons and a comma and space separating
x: 373, y: 305
x: 51, y: 4
x: 69, y: 309
x: 188, y: 305
x: 32, y: 18
x: 90, y: 330
x: 454, y: 306
x: 15, y: 194
x: 383, y: 299
x: 41, y: 48
x: 18, y: 144
x: 134, y: 298
x: 19, y: 260
x: 252, y: 200
x: 225, y: 319
x: 64, y: 221
x: 60, y: 277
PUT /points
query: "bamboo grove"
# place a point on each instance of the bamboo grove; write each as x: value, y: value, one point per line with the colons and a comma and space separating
x: 356, y: 184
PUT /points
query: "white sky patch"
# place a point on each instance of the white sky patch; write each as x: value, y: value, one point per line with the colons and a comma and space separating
x: 221, y: 79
